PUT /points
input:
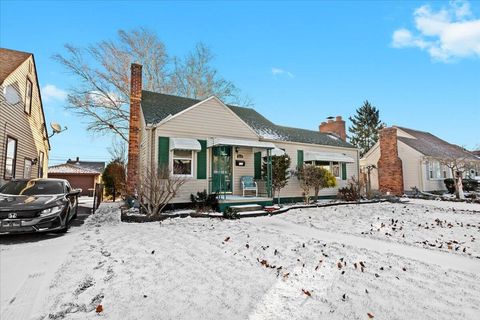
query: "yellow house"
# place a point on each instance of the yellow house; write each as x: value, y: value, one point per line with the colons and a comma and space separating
x: 24, y: 143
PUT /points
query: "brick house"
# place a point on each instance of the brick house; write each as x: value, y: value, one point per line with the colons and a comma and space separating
x: 24, y: 143
x: 407, y: 158
x: 214, y: 145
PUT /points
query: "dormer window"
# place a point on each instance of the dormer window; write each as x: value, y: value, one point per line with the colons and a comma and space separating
x: 28, y: 97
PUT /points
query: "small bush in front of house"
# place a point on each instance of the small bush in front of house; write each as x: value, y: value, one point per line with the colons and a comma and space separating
x: 351, y: 192
x: 229, y: 213
x: 204, y: 202
x: 468, y: 185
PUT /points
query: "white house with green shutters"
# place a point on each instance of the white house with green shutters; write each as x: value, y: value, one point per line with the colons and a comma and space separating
x: 216, y: 146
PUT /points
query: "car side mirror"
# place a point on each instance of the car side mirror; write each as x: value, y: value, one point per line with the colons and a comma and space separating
x: 74, y: 192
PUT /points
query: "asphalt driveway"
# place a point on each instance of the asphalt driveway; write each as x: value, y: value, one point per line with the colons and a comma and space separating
x: 28, y: 263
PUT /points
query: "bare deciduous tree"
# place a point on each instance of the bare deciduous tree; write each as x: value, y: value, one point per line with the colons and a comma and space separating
x: 156, y: 190
x: 103, y: 70
x: 457, y: 167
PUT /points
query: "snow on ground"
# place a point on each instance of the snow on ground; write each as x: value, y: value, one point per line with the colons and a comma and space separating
x: 260, y: 268
x: 437, y: 225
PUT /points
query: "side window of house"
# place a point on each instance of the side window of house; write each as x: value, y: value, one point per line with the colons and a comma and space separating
x: 28, y: 97
x: 183, y: 162
x: 434, y: 170
x: 27, y: 168
x: 336, y: 169
x: 11, y: 158
x: 40, y: 164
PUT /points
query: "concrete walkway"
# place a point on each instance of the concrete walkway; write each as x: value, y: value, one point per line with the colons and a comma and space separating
x: 443, y: 259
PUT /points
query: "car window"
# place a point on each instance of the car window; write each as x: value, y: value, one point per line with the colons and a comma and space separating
x: 13, y: 187
x: 33, y: 187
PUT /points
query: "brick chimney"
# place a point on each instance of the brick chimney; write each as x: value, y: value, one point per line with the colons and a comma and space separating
x: 337, y: 127
x: 134, y: 125
x: 390, y: 174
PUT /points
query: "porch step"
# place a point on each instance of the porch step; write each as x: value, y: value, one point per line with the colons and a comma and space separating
x: 246, y: 207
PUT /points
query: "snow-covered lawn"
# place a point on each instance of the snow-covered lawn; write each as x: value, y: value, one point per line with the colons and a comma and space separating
x: 281, y: 267
x: 437, y: 225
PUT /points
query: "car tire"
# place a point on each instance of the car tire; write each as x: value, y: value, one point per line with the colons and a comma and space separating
x: 65, y: 227
x: 76, y: 212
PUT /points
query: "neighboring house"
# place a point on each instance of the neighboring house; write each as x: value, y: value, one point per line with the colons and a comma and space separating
x: 214, y: 145
x: 81, y: 174
x: 24, y: 143
x: 406, y: 158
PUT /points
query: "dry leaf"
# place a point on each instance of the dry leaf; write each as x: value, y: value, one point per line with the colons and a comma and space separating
x: 370, y: 315
x: 306, y: 292
x: 99, y: 308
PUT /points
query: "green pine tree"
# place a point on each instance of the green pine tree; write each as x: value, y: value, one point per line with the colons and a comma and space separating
x: 365, y: 127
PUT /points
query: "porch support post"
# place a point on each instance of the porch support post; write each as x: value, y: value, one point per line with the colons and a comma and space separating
x: 269, y: 173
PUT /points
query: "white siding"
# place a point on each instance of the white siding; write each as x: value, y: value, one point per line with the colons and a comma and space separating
x: 293, y: 188
x: 372, y: 157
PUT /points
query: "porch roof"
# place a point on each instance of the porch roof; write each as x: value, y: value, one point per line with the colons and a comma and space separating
x: 327, y: 156
x: 212, y: 142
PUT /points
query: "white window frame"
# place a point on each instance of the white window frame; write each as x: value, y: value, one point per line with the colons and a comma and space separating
x: 435, y: 170
x: 314, y: 162
x: 183, y: 158
x: 30, y: 166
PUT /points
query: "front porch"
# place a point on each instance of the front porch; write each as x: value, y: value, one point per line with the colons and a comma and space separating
x: 237, y: 176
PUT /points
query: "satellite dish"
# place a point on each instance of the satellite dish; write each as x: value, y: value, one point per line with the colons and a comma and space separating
x: 11, y: 95
x: 55, y: 127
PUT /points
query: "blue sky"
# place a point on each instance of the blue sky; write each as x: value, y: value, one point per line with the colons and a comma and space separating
x: 418, y: 62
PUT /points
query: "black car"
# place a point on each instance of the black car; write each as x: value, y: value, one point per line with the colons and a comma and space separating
x: 37, y: 205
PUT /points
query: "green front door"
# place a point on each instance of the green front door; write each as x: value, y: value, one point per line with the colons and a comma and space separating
x: 222, y: 169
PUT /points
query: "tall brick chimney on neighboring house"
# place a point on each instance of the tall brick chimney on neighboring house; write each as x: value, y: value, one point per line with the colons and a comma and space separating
x: 336, y: 127
x: 134, y: 125
x: 390, y: 173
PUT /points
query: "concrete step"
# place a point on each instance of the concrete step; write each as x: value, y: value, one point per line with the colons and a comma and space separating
x: 246, y: 207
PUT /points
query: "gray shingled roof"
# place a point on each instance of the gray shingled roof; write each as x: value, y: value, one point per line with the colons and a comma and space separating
x: 158, y: 106
x: 432, y: 146
x: 97, y: 166
x: 67, y: 168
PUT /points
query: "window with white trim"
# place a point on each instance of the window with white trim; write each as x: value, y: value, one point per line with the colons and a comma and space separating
x: 10, y: 158
x: 333, y: 167
x: 183, y: 162
x: 435, y: 171
x: 27, y: 168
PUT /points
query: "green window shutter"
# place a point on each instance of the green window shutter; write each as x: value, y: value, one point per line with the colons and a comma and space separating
x: 344, y: 171
x: 258, y: 165
x: 299, y: 158
x: 202, y: 161
x: 163, y: 151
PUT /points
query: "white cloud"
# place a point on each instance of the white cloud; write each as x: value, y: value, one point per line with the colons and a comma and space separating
x: 51, y: 92
x: 278, y: 71
x: 447, y: 34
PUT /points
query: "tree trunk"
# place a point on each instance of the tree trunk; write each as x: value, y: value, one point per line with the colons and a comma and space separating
x: 459, y: 188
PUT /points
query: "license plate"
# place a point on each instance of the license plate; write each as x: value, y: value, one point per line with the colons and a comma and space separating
x: 11, y: 224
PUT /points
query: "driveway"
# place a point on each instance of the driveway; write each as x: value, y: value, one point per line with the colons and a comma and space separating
x: 29, y: 261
